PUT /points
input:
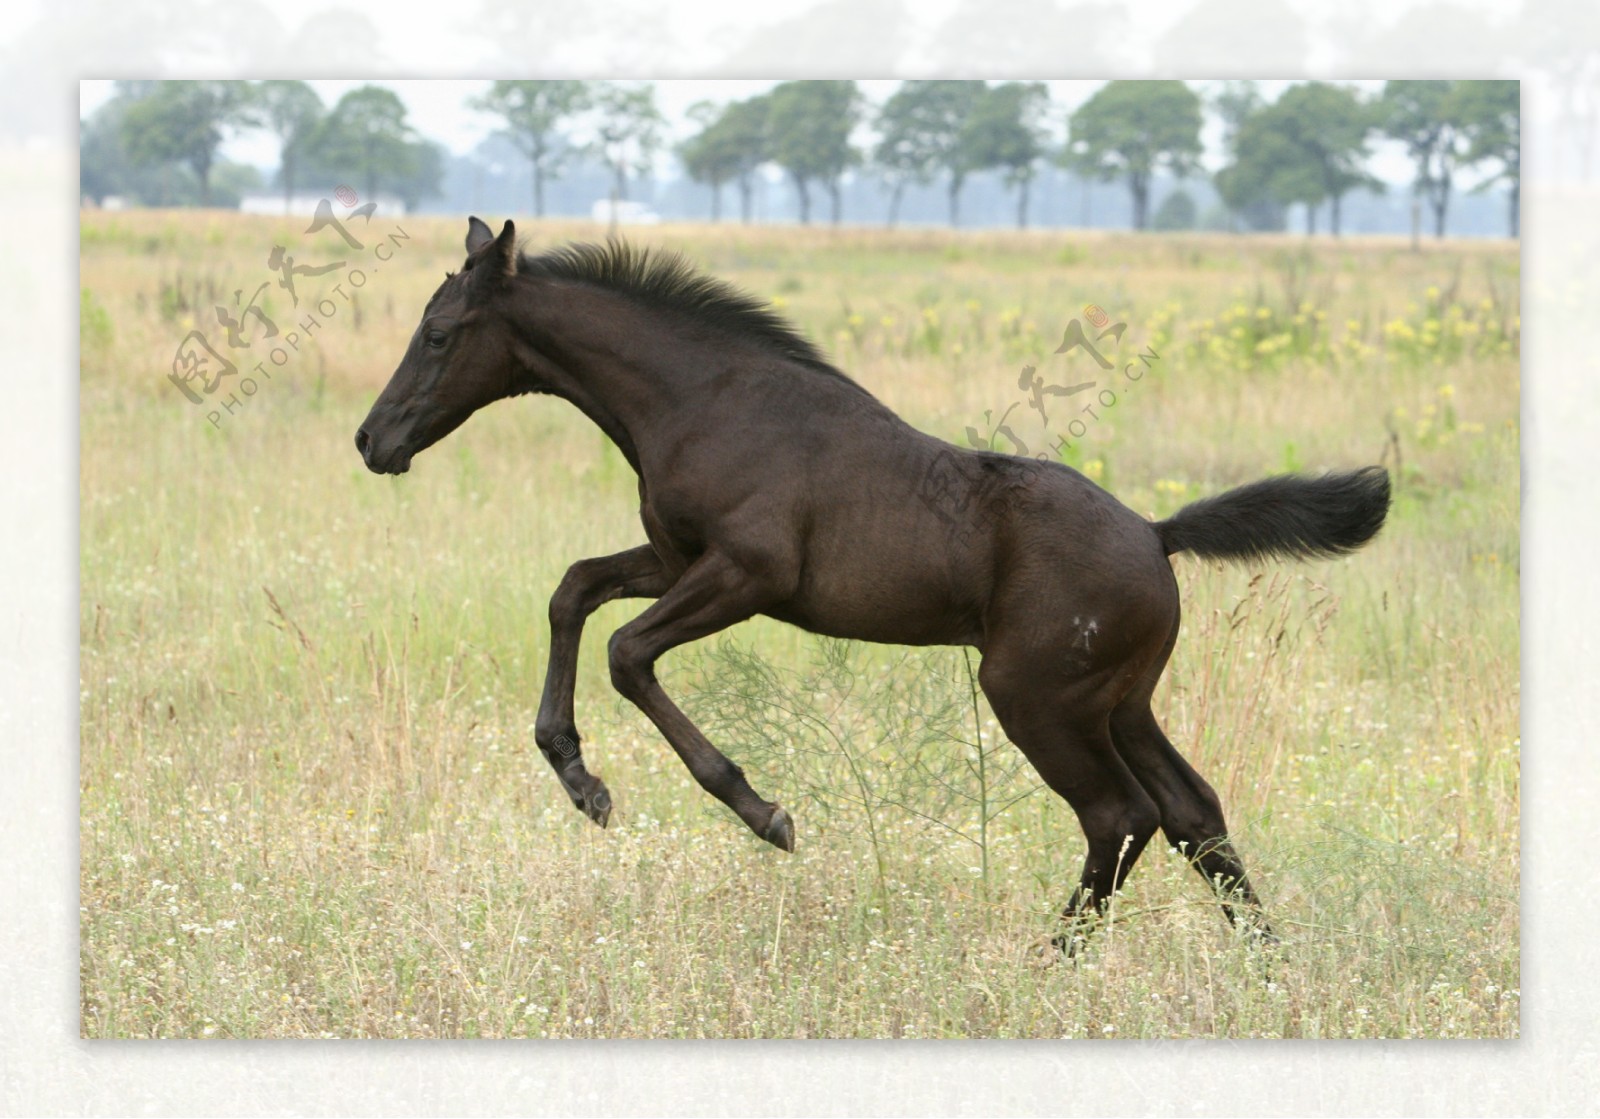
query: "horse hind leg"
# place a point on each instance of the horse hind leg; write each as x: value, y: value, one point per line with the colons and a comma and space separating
x: 1191, y: 812
x: 1065, y: 734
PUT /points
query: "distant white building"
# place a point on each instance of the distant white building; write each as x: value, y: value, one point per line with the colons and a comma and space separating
x: 265, y: 202
x: 627, y: 213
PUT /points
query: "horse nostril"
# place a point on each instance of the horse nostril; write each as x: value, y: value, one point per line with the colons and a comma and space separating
x: 361, y: 441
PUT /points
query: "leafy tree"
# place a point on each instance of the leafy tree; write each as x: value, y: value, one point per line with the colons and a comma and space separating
x: 1425, y: 117
x: 1323, y: 129
x: 103, y: 166
x: 627, y: 131
x: 423, y: 174
x: 809, y: 123
x: 920, y: 129
x: 185, y: 122
x: 1246, y: 185
x: 744, y: 130
x: 104, y: 169
x: 230, y: 182
x: 291, y: 111
x: 1233, y: 103
x: 704, y: 159
x: 730, y: 146
x: 905, y: 152
x: 1336, y: 126
x: 366, y: 137
x: 1003, y: 132
x: 1270, y: 172
x: 1131, y: 129
x: 533, y: 112
x: 1491, y: 113
x: 1176, y: 213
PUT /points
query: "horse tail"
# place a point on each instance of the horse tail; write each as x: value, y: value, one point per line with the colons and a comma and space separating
x: 1290, y: 516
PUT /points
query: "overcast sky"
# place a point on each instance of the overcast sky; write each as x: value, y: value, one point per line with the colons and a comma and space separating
x: 438, y: 109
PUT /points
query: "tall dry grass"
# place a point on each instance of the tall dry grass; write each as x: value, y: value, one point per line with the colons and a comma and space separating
x: 311, y: 802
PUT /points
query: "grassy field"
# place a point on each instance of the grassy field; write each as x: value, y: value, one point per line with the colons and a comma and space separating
x: 312, y: 805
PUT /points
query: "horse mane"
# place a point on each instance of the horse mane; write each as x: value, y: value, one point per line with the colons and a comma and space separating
x: 667, y: 280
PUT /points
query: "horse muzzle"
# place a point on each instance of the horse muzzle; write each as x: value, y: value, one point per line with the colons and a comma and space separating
x: 394, y: 459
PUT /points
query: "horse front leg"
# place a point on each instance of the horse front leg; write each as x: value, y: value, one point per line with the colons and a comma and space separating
x: 713, y: 594
x: 588, y: 584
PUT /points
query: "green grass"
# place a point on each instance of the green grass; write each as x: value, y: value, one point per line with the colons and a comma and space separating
x: 312, y: 806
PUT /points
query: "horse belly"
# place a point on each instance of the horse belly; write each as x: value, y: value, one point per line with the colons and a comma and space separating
x: 910, y: 597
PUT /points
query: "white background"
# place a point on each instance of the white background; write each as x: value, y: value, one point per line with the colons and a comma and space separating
x: 49, y: 47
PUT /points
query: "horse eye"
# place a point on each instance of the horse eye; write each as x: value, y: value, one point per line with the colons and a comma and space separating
x: 437, y: 339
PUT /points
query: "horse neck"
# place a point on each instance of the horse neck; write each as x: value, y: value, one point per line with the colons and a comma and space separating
x: 606, y: 356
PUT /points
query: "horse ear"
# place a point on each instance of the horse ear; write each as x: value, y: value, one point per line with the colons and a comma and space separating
x: 478, y: 235
x: 505, y: 249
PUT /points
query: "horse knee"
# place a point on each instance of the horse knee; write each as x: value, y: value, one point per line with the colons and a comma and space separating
x: 569, y: 606
x: 632, y: 669
x: 1196, y: 820
x: 1129, y: 820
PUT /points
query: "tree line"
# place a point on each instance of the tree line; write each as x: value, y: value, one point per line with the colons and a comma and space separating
x: 1310, y: 147
x: 158, y: 141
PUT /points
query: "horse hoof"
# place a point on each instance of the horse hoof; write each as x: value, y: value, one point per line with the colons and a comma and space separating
x: 597, y: 804
x: 780, y: 831
x: 1073, y: 943
x: 1266, y: 942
